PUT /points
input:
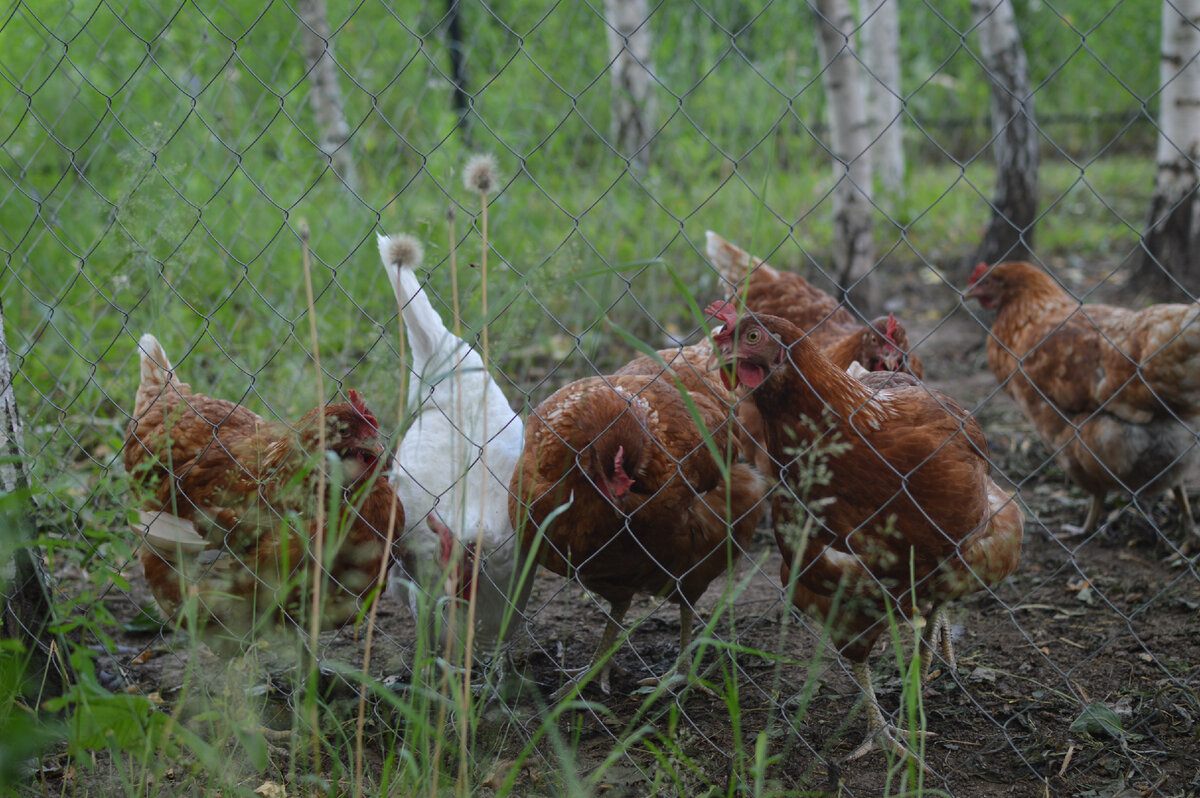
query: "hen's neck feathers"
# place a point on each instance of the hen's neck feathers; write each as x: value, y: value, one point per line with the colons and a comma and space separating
x: 1036, y: 295
x: 807, y: 382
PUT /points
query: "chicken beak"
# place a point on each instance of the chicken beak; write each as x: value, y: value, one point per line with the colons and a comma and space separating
x: 728, y: 372
x: 714, y: 360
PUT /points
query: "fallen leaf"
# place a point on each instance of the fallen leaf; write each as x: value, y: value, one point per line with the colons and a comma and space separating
x: 271, y: 789
x: 1097, y: 719
x: 982, y: 674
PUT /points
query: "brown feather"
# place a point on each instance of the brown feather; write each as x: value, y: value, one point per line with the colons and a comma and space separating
x: 910, y: 496
x: 1115, y: 393
x: 249, y: 489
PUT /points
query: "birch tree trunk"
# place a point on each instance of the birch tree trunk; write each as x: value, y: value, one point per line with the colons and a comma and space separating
x: 1170, y: 245
x: 630, y: 51
x: 24, y: 584
x: 1014, y: 204
x: 326, y: 94
x: 853, y: 244
x: 880, y: 37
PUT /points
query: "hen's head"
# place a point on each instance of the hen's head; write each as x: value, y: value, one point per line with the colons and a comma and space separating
x: 614, y: 456
x: 751, y: 347
x: 457, y: 559
x: 883, y: 345
x: 352, y: 433
x: 615, y: 422
x: 996, y: 286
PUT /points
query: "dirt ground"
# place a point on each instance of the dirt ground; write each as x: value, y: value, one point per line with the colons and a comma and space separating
x: 1097, y: 621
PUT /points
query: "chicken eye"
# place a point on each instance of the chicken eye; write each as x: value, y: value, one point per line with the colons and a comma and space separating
x: 754, y: 336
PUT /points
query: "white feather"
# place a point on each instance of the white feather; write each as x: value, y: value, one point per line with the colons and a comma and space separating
x: 458, y: 456
x: 169, y: 535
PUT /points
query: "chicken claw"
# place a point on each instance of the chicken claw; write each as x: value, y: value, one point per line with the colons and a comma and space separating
x: 882, y: 735
x: 576, y: 676
x: 679, y: 673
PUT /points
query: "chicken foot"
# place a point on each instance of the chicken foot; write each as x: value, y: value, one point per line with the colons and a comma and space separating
x: 575, y: 675
x: 881, y: 735
x: 1191, y: 537
x: 1090, y: 523
x: 679, y: 672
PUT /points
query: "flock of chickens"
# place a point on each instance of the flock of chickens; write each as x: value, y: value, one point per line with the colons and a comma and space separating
x: 652, y: 480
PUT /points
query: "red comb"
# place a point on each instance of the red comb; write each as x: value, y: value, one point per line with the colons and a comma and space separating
x: 890, y: 331
x: 356, y: 401
x: 978, y: 273
x: 723, y: 311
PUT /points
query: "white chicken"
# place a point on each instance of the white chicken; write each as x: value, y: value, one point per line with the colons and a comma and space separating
x: 452, y: 471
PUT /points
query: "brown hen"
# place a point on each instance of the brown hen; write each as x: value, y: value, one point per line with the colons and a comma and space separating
x: 881, y: 345
x: 229, y: 506
x: 1114, y: 393
x: 645, y: 507
x: 908, y: 518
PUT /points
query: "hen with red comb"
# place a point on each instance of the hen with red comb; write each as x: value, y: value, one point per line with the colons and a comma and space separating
x: 909, y: 518
x: 881, y: 345
x: 1114, y: 393
x: 618, y: 488
x: 229, y: 507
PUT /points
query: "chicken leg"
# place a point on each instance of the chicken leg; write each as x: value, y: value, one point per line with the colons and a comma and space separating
x: 881, y: 735
x: 1191, y: 543
x: 683, y: 663
x: 937, y: 634
x: 607, y: 639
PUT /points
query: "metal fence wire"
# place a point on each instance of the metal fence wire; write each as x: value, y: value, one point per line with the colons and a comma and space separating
x: 171, y: 169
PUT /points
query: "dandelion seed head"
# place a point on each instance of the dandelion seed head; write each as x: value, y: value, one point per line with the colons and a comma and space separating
x: 480, y: 174
x: 405, y: 251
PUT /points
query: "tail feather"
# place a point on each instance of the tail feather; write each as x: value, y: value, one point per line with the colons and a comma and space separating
x: 734, y: 263
x: 427, y: 332
x: 157, y: 374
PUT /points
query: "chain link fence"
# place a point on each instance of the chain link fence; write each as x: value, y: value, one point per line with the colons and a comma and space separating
x: 161, y: 162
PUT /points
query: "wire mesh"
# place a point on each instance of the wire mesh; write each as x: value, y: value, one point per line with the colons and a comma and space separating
x: 160, y: 162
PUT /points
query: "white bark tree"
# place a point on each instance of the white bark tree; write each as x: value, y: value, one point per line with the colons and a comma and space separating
x: 630, y: 51
x: 1172, y: 240
x: 1014, y: 204
x: 326, y: 95
x: 841, y: 75
x: 880, y: 39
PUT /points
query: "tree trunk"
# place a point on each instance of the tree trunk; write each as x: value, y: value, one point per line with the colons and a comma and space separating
x: 880, y: 36
x: 24, y: 583
x: 630, y: 48
x: 853, y: 244
x: 326, y: 95
x: 1014, y: 205
x: 458, y: 68
x: 1170, y: 245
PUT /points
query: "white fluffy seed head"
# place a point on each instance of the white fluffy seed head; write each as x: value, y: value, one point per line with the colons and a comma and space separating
x: 481, y: 174
x: 405, y: 251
